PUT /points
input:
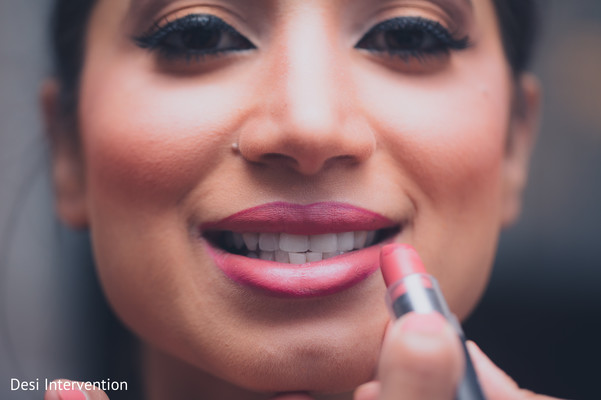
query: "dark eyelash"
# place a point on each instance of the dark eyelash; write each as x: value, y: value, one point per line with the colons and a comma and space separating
x: 158, y: 36
x: 441, y: 40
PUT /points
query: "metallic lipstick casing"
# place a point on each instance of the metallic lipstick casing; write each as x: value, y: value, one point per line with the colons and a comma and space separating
x: 411, y: 289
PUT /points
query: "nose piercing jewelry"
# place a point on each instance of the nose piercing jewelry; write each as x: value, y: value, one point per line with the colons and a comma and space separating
x: 235, y: 147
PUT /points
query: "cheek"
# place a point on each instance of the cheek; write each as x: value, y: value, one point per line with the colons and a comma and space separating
x: 152, y: 139
x: 146, y: 147
x: 447, y: 135
x: 444, y: 139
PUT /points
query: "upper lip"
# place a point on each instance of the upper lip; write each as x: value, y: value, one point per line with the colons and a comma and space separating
x: 309, y: 219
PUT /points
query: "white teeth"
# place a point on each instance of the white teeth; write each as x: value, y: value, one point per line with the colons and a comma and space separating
x: 238, y: 241
x: 327, y: 242
x: 267, y: 255
x: 359, y: 239
x: 281, y: 256
x: 313, y: 256
x: 294, y: 243
x: 298, y: 249
x: 269, y: 241
x: 251, y: 240
x: 346, y: 241
x: 297, y: 258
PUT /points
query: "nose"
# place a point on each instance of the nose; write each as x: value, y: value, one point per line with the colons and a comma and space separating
x: 308, y: 120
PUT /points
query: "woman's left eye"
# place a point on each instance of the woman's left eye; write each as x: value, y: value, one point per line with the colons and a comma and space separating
x: 194, y: 35
x: 410, y: 37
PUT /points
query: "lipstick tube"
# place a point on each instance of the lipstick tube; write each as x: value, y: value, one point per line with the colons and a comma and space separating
x: 411, y: 289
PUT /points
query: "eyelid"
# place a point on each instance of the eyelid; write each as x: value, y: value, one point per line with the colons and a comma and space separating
x: 450, y: 14
x: 426, y: 38
x: 230, y: 17
x: 427, y: 24
x: 166, y: 21
x: 158, y: 37
x: 226, y: 14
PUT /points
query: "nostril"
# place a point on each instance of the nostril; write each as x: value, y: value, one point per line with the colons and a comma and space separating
x: 306, y: 151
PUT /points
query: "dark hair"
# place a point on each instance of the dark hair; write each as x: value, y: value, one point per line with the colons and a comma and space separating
x: 517, y: 20
x: 69, y: 25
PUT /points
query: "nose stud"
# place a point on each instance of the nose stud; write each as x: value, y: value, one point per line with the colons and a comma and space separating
x: 235, y: 147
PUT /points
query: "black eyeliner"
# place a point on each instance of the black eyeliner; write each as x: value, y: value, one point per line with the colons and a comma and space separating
x: 155, y: 38
x: 158, y: 34
x: 425, y: 25
x: 444, y: 41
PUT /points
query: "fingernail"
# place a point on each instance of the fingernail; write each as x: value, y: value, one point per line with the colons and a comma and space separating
x: 432, y: 324
x: 72, y: 394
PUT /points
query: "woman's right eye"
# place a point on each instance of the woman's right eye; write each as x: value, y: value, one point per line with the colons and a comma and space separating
x: 195, y: 35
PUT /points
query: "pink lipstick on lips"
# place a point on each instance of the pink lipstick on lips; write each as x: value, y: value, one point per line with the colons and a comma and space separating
x: 298, y: 251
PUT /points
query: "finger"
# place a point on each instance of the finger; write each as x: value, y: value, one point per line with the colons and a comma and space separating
x: 368, y: 391
x: 497, y: 385
x: 63, y: 389
x: 421, y: 359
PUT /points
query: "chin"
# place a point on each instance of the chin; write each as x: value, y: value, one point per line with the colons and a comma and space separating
x: 312, y: 373
x: 313, y: 363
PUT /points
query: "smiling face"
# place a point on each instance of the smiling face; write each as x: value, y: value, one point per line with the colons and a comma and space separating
x: 354, y: 122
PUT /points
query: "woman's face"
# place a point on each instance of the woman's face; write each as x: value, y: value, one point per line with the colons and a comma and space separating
x: 289, y: 117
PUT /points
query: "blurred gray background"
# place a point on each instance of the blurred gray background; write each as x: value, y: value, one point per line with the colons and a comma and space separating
x: 539, y: 319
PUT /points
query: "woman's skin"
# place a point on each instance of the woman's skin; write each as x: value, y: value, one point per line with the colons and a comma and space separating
x: 433, y: 143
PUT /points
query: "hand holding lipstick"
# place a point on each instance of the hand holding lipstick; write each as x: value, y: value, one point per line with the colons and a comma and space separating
x: 422, y: 356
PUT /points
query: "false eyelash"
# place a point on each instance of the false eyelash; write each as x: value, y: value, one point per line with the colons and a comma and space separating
x: 425, y: 25
x: 445, y: 41
x: 155, y: 37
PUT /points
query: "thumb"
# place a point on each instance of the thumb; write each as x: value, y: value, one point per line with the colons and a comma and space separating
x: 63, y: 389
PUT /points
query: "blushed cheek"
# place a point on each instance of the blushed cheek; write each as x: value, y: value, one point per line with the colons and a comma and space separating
x: 446, y: 135
x: 151, y: 141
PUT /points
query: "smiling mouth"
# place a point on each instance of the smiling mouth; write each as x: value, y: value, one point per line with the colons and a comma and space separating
x: 299, y: 251
x: 296, y: 249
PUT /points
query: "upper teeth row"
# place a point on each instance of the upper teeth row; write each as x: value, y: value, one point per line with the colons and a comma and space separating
x: 324, y: 243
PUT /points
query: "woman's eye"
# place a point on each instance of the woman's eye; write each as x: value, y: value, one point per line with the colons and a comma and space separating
x: 195, y: 35
x: 408, y: 37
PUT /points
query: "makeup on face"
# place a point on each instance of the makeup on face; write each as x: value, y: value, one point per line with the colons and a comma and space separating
x: 412, y: 289
x: 365, y: 106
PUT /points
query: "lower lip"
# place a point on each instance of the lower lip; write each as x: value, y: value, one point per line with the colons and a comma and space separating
x: 308, y: 280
